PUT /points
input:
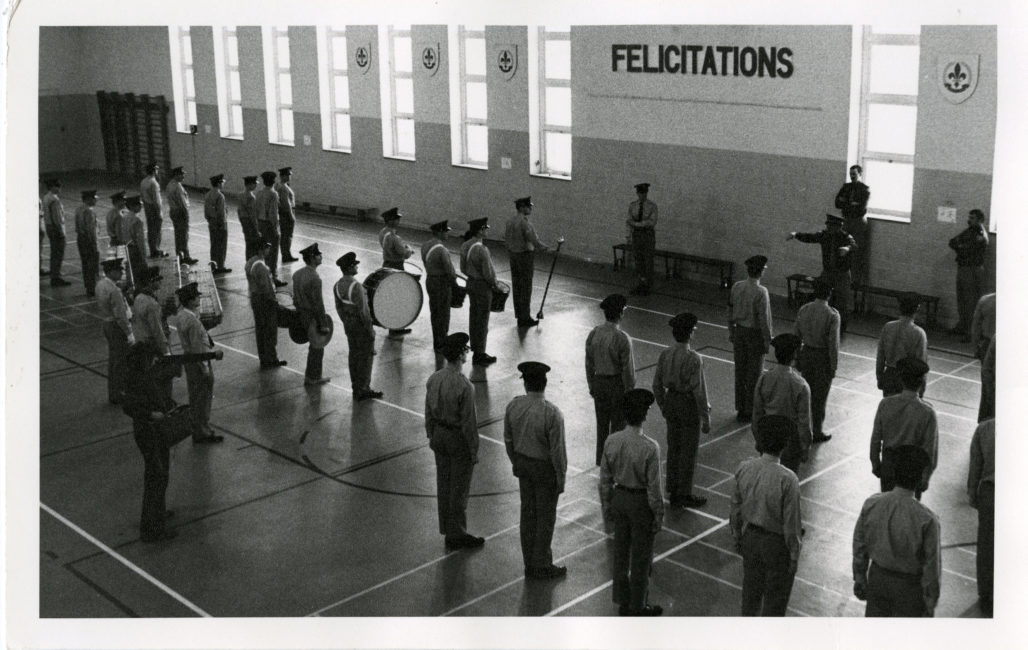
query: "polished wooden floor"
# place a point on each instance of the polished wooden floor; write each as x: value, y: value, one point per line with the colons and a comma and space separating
x: 319, y: 506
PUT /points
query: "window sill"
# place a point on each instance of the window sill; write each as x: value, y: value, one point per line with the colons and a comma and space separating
x: 484, y: 168
x: 888, y: 217
x: 232, y: 137
x: 282, y: 144
x: 337, y: 150
x: 555, y: 177
x: 394, y: 157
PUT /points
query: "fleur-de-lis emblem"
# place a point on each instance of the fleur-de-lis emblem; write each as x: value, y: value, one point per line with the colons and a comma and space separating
x: 506, y: 61
x: 428, y: 58
x: 362, y: 56
x: 957, y: 78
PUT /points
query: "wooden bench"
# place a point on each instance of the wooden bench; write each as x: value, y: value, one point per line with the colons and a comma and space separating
x: 801, y: 287
x: 359, y: 213
x: 673, y: 259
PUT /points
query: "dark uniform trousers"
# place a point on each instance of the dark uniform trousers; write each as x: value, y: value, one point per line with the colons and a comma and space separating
x: 286, y: 223
x: 766, y: 581
x: 608, y: 400
x: 180, y: 224
x: 986, y: 539
x: 633, y: 546
x: 57, y: 243
x: 860, y: 229
x: 200, y: 386
x: 538, y: 485
x: 361, y: 354
x: 814, y: 366
x: 842, y: 294
x: 153, y: 227
x: 748, y: 348
x: 522, y: 269
x: 480, y: 295
x: 265, y: 321
x: 219, y: 245
x: 250, y: 236
x: 970, y: 287
x: 90, y: 265
x: 439, y: 289
x: 683, y: 441
x: 137, y: 264
x: 987, y: 400
x: 644, y: 241
x: 269, y: 233
x: 453, y: 468
x: 155, y: 476
x: 315, y: 356
x: 891, y: 593
x: 117, y: 353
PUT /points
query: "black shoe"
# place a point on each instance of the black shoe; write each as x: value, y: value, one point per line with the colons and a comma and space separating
x: 822, y: 438
x: 547, y: 572
x: 693, y: 502
x: 467, y: 541
x: 649, y: 610
x: 208, y: 440
x: 162, y: 253
x: 219, y: 271
x: 189, y: 260
x: 367, y: 394
x: 280, y: 283
x: 59, y: 282
x: 290, y: 258
x: 742, y: 416
x: 159, y: 537
x: 316, y: 382
x: 482, y: 359
x: 273, y: 364
x: 530, y: 322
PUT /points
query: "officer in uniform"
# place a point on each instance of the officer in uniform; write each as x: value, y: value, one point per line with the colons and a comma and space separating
x: 116, y: 327
x: 85, y: 237
x: 452, y: 426
x: 817, y: 325
x: 148, y: 322
x: 836, y: 248
x: 150, y: 191
x: 766, y: 521
x: 113, y: 218
x: 264, y: 306
x: 286, y: 215
x: 852, y: 201
x: 53, y: 217
x: 782, y: 391
x: 900, y: 339
x: 641, y: 222
x: 981, y: 490
x: 439, y: 282
x: 609, y: 369
x: 267, y: 204
x: 311, y: 308
x: 631, y: 500
x: 217, y: 223
x: 477, y: 264
x: 522, y: 242
x: 680, y: 390
x: 394, y: 250
x: 533, y: 432
x: 904, y: 419
x: 970, y: 246
x: 199, y: 374
x: 178, y: 211
x: 132, y: 233
x: 749, y: 330
x: 897, y: 557
x: 353, y: 310
x: 248, y: 215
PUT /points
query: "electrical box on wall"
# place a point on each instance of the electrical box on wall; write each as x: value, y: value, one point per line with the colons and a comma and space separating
x: 947, y: 214
x: 207, y: 128
x: 504, y: 162
x: 307, y: 140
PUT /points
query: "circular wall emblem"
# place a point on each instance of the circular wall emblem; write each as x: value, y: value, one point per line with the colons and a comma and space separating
x: 361, y: 56
x: 429, y: 58
x: 505, y: 61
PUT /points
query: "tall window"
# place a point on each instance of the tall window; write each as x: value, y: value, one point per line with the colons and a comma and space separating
x: 278, y: 84
x: 226, y: 74
x: 469, y: 125
x: 395, y: 66
x: 888, y: 118
x: 335, y: 89
x: 549, y: 101
x: 182, y: 85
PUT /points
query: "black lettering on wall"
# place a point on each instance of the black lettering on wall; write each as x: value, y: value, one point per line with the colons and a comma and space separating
x: 785, y: 63
x: 748, y: 61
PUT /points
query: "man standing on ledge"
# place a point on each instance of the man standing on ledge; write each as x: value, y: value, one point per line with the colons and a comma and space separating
x: 286, y: 216
x: 852, y: 201
x: 522, y: 242
x: 150, y: 192
x: 836, y: 247
x: 749, y: 330
x: 642, y: 219
x: 970, y: 245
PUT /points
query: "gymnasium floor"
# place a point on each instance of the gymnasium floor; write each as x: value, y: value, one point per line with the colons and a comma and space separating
x: 319, y: 506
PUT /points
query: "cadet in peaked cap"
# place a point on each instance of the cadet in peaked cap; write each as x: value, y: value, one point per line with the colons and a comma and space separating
x: 904, y: 419
x: 609, y: 369
x: 440, y: 280
x: 248, y: 216
x: 285, y: 171
x: 522, y: 243
x: 533, y: 369
x: 199, y: 374
x: 749, y: 331
x: 756, y: 263
x: 352, y: 306
x: 347, y: 260
x: 641, y: 235
x: 685, y: 321
x: 310, y: 306
x: 217, y: 178
x: 88, y: 194
x: 440, y: 226
x: 394, y: 252
x: 112, y: 264
x: 392, y: 214
x: 477, y: 263
x: 85, y: 238
x: 286, y: 215
x: 269, y: 177
x: 310, y: 251
x: 782, y: 391
x: 522, y: 202
x: 216, y: 214
x: 188, y: 292
x: 454, y: 345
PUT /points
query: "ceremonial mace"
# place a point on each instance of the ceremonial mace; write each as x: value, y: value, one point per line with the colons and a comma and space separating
x: 540, y: 315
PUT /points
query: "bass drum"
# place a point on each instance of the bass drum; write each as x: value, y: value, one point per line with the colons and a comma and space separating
x: 394, y: 298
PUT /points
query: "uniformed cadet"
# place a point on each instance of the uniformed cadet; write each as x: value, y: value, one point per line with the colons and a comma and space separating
x: 42, y: 236
x: 631, y: 500
x: 749, y: 330
x: 852, y: 201
x: 680, y: 391
x: 150, y: 192
x: 113, y: 218
x: 477, y: 264
x: 353, y: 310
x: 116, y: 327
x: 311, y: 307
x: 439, y: 282
x: 85, y: 238
x: 267, y: 203
x: 981, y: 490
x: 837, y: 247
x: 394, y: 250
x: 904, y: 419
x: 970, y: 246
x: 286, y: 212
x: 264, y: 306
x: 522, y: 243
x: 983, y: 324
x: 987, y: 403
x: 642, y: 238
x: 817, y: 325
x: 782, y: 391
x: 248, y: 215
x: 766, y: 521
x: 900, y: 339
x: 132, y: 233
x: 217, y: 223
x: 452, y: 426
x: 609, y: 369
x: 533, y: 432
x: 178, y: 212
x: 199, y: 374
x: 53, y: 217
x: 148, y: 322
x: 897, y: 559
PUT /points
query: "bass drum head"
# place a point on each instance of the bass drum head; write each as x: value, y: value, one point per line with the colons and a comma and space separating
x: 394, y: 298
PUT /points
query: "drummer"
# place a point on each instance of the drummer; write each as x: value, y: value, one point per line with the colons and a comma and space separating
x: 441, y: 278
x: 311, y: 308
x: 394, y: 251
x: 477, y: 264
x: 352, y: 307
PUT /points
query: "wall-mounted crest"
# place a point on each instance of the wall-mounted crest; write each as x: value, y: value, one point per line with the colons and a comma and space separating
x: 362, y: 57
x: 957, y: 76
x: 507, y: 60
x: 432, y: 59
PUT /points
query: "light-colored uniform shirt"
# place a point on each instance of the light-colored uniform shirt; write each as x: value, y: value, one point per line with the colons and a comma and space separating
x: 258, y: 279
x: 680, y: 369
x: 352, y: 305
x: 393, y: 248
x: 53, y: 211
x: 131, y: 230
x: 608, y: 353
x: 247, y: 208
x: 644, y: 217
x: 534, y: 427
x: 192, y: 334
x: 307, y: 291
x: 112, y: 305
x: 767, y: 495
x: 476, y: 262
x: 750, y: 306
x: 897, y: 532
x: 286, y: 198
x: 519, y: 235
x: 214, y: 209
x: 900, y: 339
x: 267, y: 205
x: 905, y: 419
x: 150, y: 191
x: 436, y: 258
x: 783, y: 391
x: 85, y: 226
x: 983, y: 322
x: 113, y: 222
x: 178, y: 197
x: 450, y: 403
x: 631, y: 459
x: 147, y: 323
x: 817, y: 325
x: 982, y: 468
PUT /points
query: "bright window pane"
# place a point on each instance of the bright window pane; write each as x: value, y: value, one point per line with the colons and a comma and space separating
x: 191, y: 109
x: 287, y: 125
x: 558, y: 153
x: 342, y: 132
x: 187, y: 49
x: 894, y: 69
x: 339, y: 53
x: 404, y: 95
x: 558, y: 59
x: 235, y: 91
x: 285, y: 89
x: 476, y: 107
x: 557, y: 28
x: 892, y: 185
x: 478, y: 144
x: 282, y: 47
x: 558, y: 106
x: 474, y: 56
x: 190, y: 85
x: 891, y: 128
x: 237, y: 119
x: 405, y: 137
x: 231, y: 44
x: 402, y: 54
x: 341, y: 96
x: 915, y: 30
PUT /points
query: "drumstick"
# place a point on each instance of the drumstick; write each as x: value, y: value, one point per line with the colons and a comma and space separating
x: 540, y: 316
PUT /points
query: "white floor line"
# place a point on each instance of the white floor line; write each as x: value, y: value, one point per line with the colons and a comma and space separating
x: 715, y: 469
x: 724, y: 435
x: 968, y: 551
x: 723, y: 481
x: 713, y: 491
x: 120, y: 558
x: 830, y: 507
x: 589, y: 528
x: 828, y: 469
x: 959, y: 575
x: 706, y: 514
x: 722, y: 550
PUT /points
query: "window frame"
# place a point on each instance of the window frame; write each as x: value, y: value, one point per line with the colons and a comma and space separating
x: 388, y: 74
x: 328, y: 77
x: 181, y: 74
x: 223, y: 69
x: 538, y: 84
x: 273, y: 72
x: 459, y: 80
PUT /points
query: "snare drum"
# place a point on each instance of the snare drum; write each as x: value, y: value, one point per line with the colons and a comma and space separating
x: 500, y: 293
x: 458, y: 291
x: 394, y: 298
